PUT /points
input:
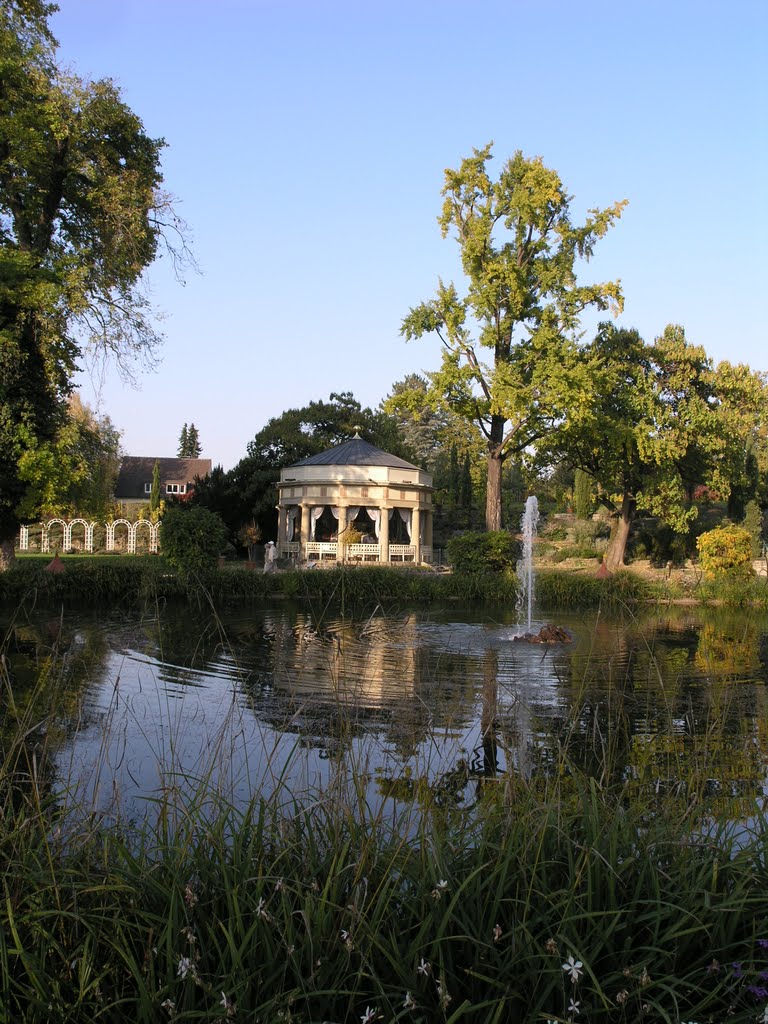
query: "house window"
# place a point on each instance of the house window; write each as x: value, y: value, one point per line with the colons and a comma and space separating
x: 147, y: 488
x: 175, y: 488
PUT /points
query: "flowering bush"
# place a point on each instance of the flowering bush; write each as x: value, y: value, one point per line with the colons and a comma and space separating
x: 726, y: 551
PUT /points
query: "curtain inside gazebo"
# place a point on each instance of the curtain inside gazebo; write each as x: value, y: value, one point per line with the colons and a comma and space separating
x: 290, y: 524
x: 314, y: 515
x: 406, y: 515
x: 375, y: 514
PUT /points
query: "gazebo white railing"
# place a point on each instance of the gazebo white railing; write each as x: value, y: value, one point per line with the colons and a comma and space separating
x: 402, y: 552
x: 318, y: 550
x: 364, y: 552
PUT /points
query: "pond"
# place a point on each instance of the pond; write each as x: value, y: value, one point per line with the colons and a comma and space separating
x: 246, y: 701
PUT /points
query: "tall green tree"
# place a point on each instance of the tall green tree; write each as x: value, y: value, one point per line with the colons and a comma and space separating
x: 183, y: 442
x: 510, y: 362
x: 582, y: 494
x: 295, y: 435
x: 193, y: 443
x: 154, y: 494
x: 663, y: 420
x: 74, y: 473
x: 82, y: 215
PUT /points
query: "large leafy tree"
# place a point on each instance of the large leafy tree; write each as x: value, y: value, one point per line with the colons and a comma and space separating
x: 664, y: 419
x: 510, y: 363
x: 247, y: 493
x: 440, y: 443
x: 75, y: 472
x: 82, y: 214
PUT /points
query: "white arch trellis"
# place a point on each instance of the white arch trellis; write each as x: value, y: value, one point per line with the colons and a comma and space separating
x: 88, y: 530
x: 133, y: 530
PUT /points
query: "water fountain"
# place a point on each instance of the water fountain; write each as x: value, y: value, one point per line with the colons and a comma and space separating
x: 529, y: 525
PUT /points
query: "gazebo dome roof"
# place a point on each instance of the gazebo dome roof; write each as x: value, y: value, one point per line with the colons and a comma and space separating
x: 355, y: 452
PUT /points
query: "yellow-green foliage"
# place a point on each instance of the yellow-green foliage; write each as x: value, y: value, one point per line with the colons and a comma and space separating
x: 728, y: 549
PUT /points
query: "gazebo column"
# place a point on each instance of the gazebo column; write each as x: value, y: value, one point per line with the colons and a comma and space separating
x: 340, y: 528
x: 384, y: 533
x: 416, y: 534
x: 304, y: 526
x: 428, y: 528
x: 282, y: 526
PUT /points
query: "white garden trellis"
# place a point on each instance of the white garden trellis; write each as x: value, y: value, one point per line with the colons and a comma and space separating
x: 112, y: 533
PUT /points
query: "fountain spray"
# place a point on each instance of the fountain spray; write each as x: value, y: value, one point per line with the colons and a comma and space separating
x: 528, y: 527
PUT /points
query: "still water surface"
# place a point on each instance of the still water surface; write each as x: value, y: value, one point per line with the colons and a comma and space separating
x: 263, y: 697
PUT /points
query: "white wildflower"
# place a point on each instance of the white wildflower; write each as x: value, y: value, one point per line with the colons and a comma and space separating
x: 410, y: 1002
x: 425, y: 967
x: 186, y: 968
x: 228, y: 1005
x: 573, y: 1006
x: 371, y: 1014
x: 573, y: 968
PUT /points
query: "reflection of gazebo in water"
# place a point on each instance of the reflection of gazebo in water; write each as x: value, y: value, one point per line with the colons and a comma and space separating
x: 354, y: 488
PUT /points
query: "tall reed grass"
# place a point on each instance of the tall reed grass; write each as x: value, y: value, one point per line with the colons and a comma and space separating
x: 568, y: 894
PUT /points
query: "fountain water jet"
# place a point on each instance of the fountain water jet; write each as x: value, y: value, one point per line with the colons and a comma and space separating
x: 528, y: 526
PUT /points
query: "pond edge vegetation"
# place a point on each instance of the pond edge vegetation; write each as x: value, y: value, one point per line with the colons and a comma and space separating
x: 95, y: 580
x: 561, y: 895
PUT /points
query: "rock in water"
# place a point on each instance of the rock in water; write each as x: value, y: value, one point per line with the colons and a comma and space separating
x: 546, y: 635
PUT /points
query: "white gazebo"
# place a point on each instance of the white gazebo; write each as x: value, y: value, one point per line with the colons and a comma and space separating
x: 355, y: 486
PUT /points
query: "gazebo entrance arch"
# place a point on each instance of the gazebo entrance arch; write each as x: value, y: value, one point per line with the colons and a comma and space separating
x: 355, y: 484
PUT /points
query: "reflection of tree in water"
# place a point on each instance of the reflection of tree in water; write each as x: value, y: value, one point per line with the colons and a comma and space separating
x: 649, y: 718
x: 627, y: 704
x: 728, y: 649
x: 47, y: 665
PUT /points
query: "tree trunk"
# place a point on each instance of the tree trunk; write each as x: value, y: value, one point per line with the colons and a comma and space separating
x: 493, y: 493
x: 493, y: 484
x: 614, y: 558
x: 7, y: 555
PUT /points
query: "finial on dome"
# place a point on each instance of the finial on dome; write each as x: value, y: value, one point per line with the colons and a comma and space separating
x: 357, y: 433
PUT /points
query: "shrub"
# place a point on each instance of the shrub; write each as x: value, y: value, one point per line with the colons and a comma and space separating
x: 473, y: 553
x: 574, y: 551
x: 753, y: 524
x: 192, y: 539
x: 556, y: 533
x: 726, y: 551
x: 582, y: 494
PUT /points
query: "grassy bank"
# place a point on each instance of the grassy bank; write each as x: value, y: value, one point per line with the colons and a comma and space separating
x: 577, y: 886
x: 130, y: 580
x: 553, y: 898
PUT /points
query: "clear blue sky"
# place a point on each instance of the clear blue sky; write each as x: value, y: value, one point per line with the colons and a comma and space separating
x: 307, y: 141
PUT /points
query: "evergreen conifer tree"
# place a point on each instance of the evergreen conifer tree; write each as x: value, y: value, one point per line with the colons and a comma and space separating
x: 193, y: 443
x: 183, y: 442
x: 154, y: 496
x: 582, y: 494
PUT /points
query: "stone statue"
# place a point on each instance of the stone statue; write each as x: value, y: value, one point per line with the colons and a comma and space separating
x: 270, y: 556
